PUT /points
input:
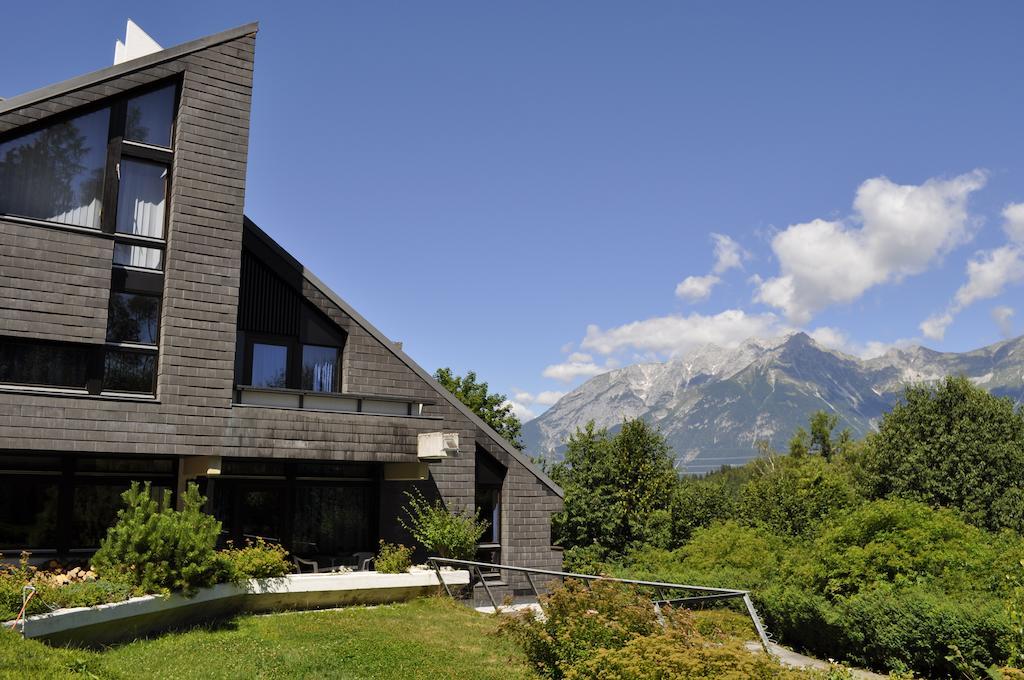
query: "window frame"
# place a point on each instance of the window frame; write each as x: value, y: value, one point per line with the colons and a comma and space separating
x: 253, y: 339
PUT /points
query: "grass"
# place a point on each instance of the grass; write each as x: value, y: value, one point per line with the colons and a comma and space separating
x: 428, y: 638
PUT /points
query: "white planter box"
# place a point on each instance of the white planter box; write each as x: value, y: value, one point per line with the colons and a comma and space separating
x: 141, y: 616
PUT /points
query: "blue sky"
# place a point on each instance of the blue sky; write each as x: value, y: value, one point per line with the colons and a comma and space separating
x: 525, y: 188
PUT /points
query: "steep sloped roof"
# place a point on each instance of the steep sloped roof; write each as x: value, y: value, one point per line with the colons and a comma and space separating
x: 118, y: 70
x: 312, y: 278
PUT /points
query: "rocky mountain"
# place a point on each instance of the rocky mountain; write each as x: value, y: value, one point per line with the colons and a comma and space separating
x: 715, y: 403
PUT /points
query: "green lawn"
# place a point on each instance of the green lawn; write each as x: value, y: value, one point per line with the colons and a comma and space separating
x: 428, y: 638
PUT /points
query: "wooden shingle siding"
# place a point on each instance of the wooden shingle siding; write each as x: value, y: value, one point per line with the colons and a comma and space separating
x: 54, y: 284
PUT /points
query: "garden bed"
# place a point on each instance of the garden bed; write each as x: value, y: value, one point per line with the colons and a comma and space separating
x: 141, y: 616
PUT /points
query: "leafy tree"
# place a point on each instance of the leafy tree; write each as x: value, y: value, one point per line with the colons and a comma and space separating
x: 493, y: 409
x: 952, y: 444
x: 698, y: 503
x: 794, y: 494
x: 618, y: 490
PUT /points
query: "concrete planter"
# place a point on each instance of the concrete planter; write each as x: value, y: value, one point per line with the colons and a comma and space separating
x: 141, y: 616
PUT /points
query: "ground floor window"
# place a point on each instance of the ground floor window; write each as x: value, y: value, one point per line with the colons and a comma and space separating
x: 322, y: 511
x: 65, y: 503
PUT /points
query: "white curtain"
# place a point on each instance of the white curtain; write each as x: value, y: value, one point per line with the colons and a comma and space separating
x: 323, y: 376
x: 136, y: 256
x: 141, y: 198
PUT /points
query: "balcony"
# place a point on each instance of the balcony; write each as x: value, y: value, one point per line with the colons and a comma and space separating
x: 336, y: 402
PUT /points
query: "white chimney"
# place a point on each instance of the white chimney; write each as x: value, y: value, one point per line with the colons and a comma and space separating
x: 137, y: 43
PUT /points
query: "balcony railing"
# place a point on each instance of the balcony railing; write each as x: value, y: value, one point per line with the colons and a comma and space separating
x: 339, y: 402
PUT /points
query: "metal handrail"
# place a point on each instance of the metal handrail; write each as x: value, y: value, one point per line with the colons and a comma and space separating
x: 716, y: 594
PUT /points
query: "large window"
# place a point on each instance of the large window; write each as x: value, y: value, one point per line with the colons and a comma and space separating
x: 33, y: 362
x: 67, y: 502
x: 269, y: 365
x: 57, y: 173
x: 320, y: 368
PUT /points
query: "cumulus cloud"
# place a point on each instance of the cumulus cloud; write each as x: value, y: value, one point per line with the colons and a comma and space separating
x: 835, y: 338
x: 696, y: 288
x: 728, y: 255
x: 1013, y: 222
x: 1003, y: 316
x: 545, y: 398
x: 989, y: 272
x: 578, y: 365
x: 895, y: 231
x: 676, y: 333
x: 521, y: 411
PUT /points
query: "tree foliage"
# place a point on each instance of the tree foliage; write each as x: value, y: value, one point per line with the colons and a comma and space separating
x: 953, y: 445
x: 618, y: 490
x: 493, y: 408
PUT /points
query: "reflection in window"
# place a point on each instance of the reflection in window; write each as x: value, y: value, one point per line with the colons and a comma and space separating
x: 56, y: 173
x: 133, y: 318
x: 319, y: 368
x: 141, y: 197
x: 126, y: 371
x: 28, y: 513
x: 150, y: 117
x: 269, y: 365
x: 95, y: 507
x: 332, y: 520
x: 137, y: 256
x: 38, y: 363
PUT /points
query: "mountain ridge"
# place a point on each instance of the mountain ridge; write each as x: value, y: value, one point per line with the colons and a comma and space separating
x: 715, y: 403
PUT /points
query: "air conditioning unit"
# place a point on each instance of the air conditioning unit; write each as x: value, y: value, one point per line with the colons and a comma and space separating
x: 436, y: 445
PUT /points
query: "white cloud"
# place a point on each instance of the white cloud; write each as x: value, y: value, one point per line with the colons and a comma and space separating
x: 835, y: 338
x: 549, y: 397
x: 696, y: 288
x: 895, y: 231
x: 728, y: 254
x: 988, y: 274
x: 545, y: 398
x: 934, y: 327
x: 521, y: 411
x: 580, y: 357
x: 1003, y: 316
x: 674, y: 334
x: 1013, y: 224
x: 568, y: 371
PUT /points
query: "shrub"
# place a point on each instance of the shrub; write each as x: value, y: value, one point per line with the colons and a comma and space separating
x: 680, y: 654
x: 448, y: 534
x: 393, y: 559
x: 584, y: 559
x: 578, y: 621
x: 903, y: 542
x: 51, y: 595
x: 158, y: 549
x: 256, y: 560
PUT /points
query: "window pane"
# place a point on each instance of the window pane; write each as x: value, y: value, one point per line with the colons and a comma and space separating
x: 332, y: 520
x: 133, y: 318
x: 319, y: 368
x: 28, y: 512
x: 56, y: 173
x: 129, y: 371
x: 28, y: 363
x: 137, y: 256
x: 140, y: 198
x: 269, y: 365
x: 151, y: 117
